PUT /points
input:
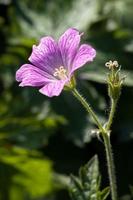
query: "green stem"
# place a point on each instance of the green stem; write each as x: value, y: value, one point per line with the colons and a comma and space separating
x: 112, y: 112
x: 88, y: 108
x: 106, y: 138
x: 110, y: 164
x: 108, y: 149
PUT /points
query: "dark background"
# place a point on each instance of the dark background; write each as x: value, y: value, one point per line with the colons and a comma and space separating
x: 44, y: 138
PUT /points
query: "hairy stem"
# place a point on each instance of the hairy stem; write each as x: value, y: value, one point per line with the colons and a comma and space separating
x: 112, y: 112
x: 88, y: 108
x: 111, y: 166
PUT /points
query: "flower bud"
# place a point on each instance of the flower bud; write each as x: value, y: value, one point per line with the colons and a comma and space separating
x: 114, y: 79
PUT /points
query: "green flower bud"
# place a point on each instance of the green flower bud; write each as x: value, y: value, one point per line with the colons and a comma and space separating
x: 114, y: 79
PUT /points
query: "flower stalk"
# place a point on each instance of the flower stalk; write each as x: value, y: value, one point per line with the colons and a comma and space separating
x: 110, y: 164
x: 88, y: 108
x: 111, y: 115
x: 105, y: 133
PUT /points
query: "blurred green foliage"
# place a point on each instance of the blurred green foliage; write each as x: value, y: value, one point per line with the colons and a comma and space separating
x: 31, y: 173
x: 30, y: 123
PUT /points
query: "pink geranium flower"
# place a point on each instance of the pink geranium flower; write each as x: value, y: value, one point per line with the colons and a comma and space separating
x: 53, y: 63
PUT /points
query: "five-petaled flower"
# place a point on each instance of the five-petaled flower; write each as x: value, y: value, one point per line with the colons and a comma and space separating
x: 53, y: 63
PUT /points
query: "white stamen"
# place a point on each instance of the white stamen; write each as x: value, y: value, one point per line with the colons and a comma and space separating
x: 112, y: 64
x: 60, y: 73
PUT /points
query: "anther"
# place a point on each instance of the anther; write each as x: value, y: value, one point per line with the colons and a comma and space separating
x: 112, y: 64
x: 60, y: 73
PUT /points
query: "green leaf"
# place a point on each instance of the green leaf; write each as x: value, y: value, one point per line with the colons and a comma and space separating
x: 89, y: 13
x: 76, y: 190
x: 104, y: 193
x: 89, y: 174
x: 87, y: 186
x: 33, y: 172
x: 32, y: 22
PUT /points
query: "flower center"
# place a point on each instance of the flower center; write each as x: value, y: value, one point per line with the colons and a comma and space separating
x: 60, y: 73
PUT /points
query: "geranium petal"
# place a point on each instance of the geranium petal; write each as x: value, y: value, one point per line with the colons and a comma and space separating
x: 85, y: 54
x: 46, y: 55
x: 30, y: 75
x: 68, y: 44
x: 53, y: 88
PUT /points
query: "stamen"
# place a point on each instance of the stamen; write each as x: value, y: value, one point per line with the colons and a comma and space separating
x: 112, y: 64
x: 60, y: 73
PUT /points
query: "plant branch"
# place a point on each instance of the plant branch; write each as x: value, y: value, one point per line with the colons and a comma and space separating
x: 112, y: 112
x: 88, y: 108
